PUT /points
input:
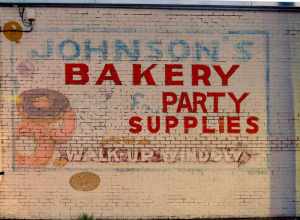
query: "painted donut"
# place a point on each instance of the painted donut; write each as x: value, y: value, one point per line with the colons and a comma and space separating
x: 55, y: 103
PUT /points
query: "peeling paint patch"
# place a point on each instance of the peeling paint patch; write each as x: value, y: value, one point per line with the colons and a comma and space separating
x: 84, y: 181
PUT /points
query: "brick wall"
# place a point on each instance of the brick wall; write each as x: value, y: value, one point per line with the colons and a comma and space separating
x: 69, y: 149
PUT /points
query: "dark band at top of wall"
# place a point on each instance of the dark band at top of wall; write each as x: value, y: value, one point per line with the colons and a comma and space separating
x: 212, y: 5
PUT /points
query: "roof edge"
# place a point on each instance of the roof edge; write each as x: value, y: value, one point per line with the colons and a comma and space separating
x: 225, y: 7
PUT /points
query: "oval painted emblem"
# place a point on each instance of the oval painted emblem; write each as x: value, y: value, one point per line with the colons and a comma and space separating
x: 85, y: 181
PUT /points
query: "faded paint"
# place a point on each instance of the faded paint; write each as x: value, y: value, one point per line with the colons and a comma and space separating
x: 39, y: 109
x: 49, y: 137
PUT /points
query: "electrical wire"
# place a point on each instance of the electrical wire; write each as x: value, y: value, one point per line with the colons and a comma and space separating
x: 26, y: 22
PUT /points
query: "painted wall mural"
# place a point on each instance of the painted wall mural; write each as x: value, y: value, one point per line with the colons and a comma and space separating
x: 39, y: 109
x: 207, y: 101
x: 130, y: 113
x: 113, y: 99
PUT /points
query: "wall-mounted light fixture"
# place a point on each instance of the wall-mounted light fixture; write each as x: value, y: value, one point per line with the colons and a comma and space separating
x: 13, y: 31
x: 27, y: 17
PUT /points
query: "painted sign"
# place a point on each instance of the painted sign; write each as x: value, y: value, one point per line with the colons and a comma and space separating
x: 189, y: 112
x: 184, y: 88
